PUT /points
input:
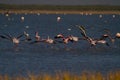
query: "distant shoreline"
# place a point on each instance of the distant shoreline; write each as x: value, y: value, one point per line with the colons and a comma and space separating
x: 58, y: 12
x: 59, y: 9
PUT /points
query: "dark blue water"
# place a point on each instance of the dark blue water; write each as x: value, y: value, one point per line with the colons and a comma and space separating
x: 50, y: 58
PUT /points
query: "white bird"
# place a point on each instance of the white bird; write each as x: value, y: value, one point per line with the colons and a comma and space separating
x: 113, y: 16
x: 22, y: 18
x: 58, y: 18
x: 100, y: 16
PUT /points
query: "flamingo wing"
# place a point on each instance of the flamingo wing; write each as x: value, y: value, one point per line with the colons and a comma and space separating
x: 83, y: 30
x: 9, y: 37
x: 4, y: 37
x: 20, y: 36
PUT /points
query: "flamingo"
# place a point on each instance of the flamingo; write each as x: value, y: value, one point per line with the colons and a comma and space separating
x: 92, y: 41
x: 59, y: 36
x: 108, y: 35
x: 37, y: 38
x: 75, y: 38
x: 14, y: 40
x: 104, y: 36
x: 49, y: 40
x: 70, y: 38
x: 65, y: 40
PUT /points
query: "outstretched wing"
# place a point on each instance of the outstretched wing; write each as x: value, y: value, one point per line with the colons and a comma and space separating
x: 9, y: 36
x: 83, y: 30
x: 4, y: 37
x: 20, y: 36
x: 107, y: 31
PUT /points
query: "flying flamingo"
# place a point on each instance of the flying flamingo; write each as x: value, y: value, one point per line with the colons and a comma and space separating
x: 49, y: 40
x: 69, y: 38
x: 14, y: 40
x: 37, y: 38
x: 93, y: 42
x: 108, y: 35
x: 65, y: 40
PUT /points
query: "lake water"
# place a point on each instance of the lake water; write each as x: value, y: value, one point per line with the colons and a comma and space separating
x: 50, y: 58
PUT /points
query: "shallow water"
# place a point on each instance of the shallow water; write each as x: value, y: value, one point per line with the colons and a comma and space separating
x: 50, y: 58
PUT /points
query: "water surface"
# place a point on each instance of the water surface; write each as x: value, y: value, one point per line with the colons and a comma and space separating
x: 50, y: 58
